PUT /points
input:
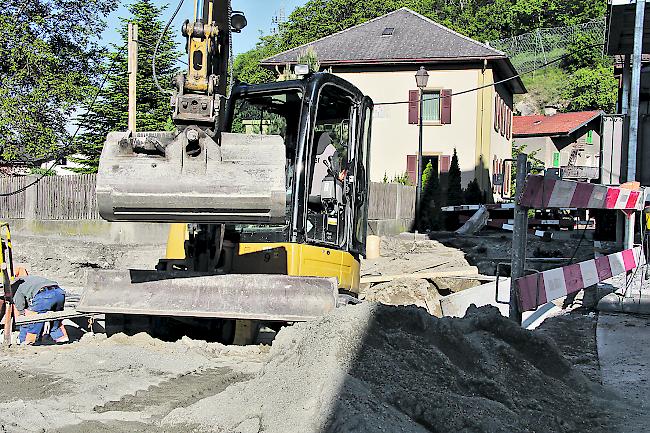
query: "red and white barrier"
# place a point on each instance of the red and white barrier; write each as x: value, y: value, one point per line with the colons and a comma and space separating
x: 543, y: 193
x: 538, y: 289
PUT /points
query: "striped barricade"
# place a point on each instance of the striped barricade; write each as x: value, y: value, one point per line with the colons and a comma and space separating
x: 545, y: 193
x: 537, y: 289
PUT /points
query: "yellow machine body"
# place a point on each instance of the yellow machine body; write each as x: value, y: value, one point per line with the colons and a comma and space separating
x: 298, y: 260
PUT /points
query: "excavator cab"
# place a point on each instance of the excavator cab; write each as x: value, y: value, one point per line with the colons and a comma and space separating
x: 269, y: 214
x: 326, y: 145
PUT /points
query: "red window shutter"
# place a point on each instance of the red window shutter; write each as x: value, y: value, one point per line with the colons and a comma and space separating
x: 445, y: 106
x: 414, y: 107
x: 509, y: 124
x: 445, y: 163
x: 496, y: 113
x: 412, y: 168
x: 503, y: 118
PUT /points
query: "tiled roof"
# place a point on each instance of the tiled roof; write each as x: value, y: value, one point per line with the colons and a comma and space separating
x: 558, y: 124
x: 399, y: 36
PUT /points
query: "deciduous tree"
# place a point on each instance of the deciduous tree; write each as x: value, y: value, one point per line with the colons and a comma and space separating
x: 50, y: 62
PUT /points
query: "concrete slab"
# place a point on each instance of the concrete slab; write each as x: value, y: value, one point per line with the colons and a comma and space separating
x: 456, y: 305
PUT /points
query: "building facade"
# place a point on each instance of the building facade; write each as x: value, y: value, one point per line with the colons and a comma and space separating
x: 463, y: 110
x: 569, y: 143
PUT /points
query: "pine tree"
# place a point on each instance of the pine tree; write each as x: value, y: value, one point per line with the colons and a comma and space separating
x: 454, y: 192
x: 426, y: 175
x: 473, y: 193
x: 430, y: 208
x: 454, y: 187
x: 110, y: 112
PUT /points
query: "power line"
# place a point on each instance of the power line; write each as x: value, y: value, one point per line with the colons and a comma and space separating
x: 155, y: 50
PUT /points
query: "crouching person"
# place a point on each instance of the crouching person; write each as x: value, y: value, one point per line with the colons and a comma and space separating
x: 33, y: 295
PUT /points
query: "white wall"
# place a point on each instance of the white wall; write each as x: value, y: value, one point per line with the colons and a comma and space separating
x: 393, y: 137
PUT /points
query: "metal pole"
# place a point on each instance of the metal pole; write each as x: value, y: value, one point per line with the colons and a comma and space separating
x: 626, y: 78
x: 634, y: 112
x: 418, y: 192
x: 133, y: 72
x: 625, y: 110
x: 519, y: 235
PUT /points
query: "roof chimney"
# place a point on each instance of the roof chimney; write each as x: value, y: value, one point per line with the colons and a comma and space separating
x: 550, y: 110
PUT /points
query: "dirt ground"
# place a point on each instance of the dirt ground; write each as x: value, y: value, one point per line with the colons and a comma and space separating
x: 489, y: 247
x: 115, y: 384
x: 364, y: 368
x: 68, y: 260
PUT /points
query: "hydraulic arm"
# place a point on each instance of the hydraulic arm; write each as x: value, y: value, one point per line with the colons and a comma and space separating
x: 201, y: 91
x: 195, y: 174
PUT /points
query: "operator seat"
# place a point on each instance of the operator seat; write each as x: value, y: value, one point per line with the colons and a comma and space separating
x: 325, y: 151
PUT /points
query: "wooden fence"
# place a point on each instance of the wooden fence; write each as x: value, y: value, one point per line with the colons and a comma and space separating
x: 389, y: 201
x: 52, y: 198
x: 73, y: 198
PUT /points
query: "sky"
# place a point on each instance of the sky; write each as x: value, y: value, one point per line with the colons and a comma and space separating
x: 259, y: 14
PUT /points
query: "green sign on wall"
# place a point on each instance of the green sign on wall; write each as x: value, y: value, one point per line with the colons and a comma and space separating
x: 556, y: 159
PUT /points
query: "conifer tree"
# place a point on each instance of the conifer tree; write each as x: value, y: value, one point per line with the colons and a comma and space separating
x: 454, y: 192
x: 473, y: 193
x: 110, y: 112
x: 430, y: 209
x: 454, y: 187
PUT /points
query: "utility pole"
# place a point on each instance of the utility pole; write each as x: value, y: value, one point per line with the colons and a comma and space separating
x: 634, y: 112
x: 519, y: 238
x: 418, y: 188
x: 421, y: 80
x: 133, y: 72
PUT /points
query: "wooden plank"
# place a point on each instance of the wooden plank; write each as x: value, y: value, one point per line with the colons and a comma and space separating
x: 459, y: 272
x: 407, y: 202
x: 49, y: 316
x: 132, y: 72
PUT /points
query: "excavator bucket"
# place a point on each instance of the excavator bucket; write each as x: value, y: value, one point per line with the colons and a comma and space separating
x: 188, y: 177
x: 190, y: 294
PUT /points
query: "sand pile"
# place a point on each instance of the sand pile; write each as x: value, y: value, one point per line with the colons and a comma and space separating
x: 405, y: 291
x: 372, y: 368
x: 406, y: 253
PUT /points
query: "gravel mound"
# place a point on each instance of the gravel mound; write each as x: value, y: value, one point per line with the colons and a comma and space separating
x: 372, y: 368
x: 405, y: 291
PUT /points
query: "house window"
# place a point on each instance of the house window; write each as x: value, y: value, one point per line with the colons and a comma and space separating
x: 431, y: 106
x: 502, y: 117
x: 556, y: 159
x: 437, y: 107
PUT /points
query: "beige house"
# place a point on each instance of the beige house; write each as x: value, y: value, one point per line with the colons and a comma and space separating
x: 463, y: 110
x: 570, y: 143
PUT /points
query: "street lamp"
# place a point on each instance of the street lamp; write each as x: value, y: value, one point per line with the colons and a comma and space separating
x: 421, y: 79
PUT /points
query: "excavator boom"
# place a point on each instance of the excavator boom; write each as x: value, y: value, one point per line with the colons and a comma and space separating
x: 195, y: 174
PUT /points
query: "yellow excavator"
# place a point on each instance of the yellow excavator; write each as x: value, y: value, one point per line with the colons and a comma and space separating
x: 266, y: 187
